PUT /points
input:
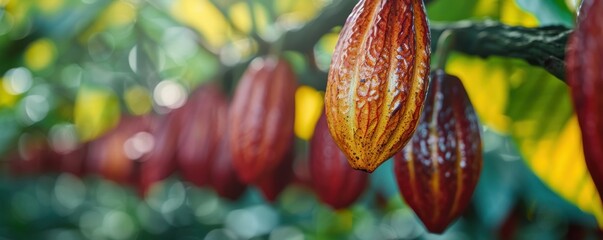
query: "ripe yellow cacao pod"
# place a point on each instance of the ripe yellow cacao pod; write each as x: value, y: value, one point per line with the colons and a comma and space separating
x: 378, y: 80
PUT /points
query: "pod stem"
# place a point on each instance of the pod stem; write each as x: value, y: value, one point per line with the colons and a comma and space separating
x: 445, y: 44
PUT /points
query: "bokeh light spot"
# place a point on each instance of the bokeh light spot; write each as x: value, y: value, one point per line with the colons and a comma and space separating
x: 17, y: 80
x: 169, y: 94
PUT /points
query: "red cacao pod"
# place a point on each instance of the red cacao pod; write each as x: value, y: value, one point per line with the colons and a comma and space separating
x: 585, y: 78
x: 30, y: 157
x: 261, y: 117
x: 160, y: 163
x: 378, y: 80
x: 223, y: 176
x: 72, y: 161
x: 116, y: 155
x: 204, y: 124
x: 334, y: 181
x: 273, y: 184
x: 438, y: 170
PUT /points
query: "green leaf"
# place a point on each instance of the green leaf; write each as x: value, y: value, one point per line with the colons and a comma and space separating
x: 549, y: 12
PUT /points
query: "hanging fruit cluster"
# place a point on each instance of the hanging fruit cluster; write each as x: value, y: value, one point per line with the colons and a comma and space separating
x: 379, y: 102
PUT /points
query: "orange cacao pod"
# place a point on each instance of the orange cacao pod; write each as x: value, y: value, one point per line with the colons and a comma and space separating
x: 438, y: 170
x: 333, y: 180
x: 584, y: 61
x: 378, y: 80
x: 261, y: 117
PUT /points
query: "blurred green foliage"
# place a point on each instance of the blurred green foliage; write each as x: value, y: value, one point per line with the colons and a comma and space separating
x: 84, y: 64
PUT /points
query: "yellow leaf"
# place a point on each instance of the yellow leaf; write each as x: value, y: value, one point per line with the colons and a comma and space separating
x: 559, y: 162
x: 487, y: 87
x: 308, y: 107
x: 298, y: 11
x: 242, y: 19
x: 96, y: 111
x: 506, y: 11
x: 119, y: 13
x: 204, y: 17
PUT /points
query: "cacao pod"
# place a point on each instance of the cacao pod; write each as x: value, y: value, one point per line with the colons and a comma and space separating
x: 438, y: 170
x: 203, y: 125
x: 30, y: 155
x: 160, y: 163
x: 585, y: 78
x: 334, y: 181
x: 223, y: 176
x: 272, y: 184
x: 261, y: 117
x: 378, y: 80
x: 116, y: 155
x: 72, y: 161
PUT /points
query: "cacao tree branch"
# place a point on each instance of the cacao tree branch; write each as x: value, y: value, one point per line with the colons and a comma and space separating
x: 304, y: 38
x: 541, y: 46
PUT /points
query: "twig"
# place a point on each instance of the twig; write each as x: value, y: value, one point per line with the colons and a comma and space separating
x: 541, y: 46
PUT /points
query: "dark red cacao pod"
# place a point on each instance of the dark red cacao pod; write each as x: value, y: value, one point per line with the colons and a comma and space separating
x: 438, y: 170
x: 273, y: 184
x: 30, y: 157
x: 261, y: 117
x: 72, y: 161
x: 378, y: 80
x: 334, y: 181
x: 223, y: 176
x: 585, y: 78
x: 204, y: 123
x: 160, y: 163
x: 116, y: 155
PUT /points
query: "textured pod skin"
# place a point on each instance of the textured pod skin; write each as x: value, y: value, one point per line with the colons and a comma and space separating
x: 223, y: 176
x: 378, y: 80
x: 438, y: 170
x: 272, y: 184
x: 585, y: 78
x: 334, y: 181
x: 261, y: 117
x: 204, y: 123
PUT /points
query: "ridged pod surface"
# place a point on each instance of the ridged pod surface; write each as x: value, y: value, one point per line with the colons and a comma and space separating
x: 438, y: 170
x: 261, y: 117
x: 334, y: 181
x: 204, y: 124
x: 378, y: 80
x: 585, y: 78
